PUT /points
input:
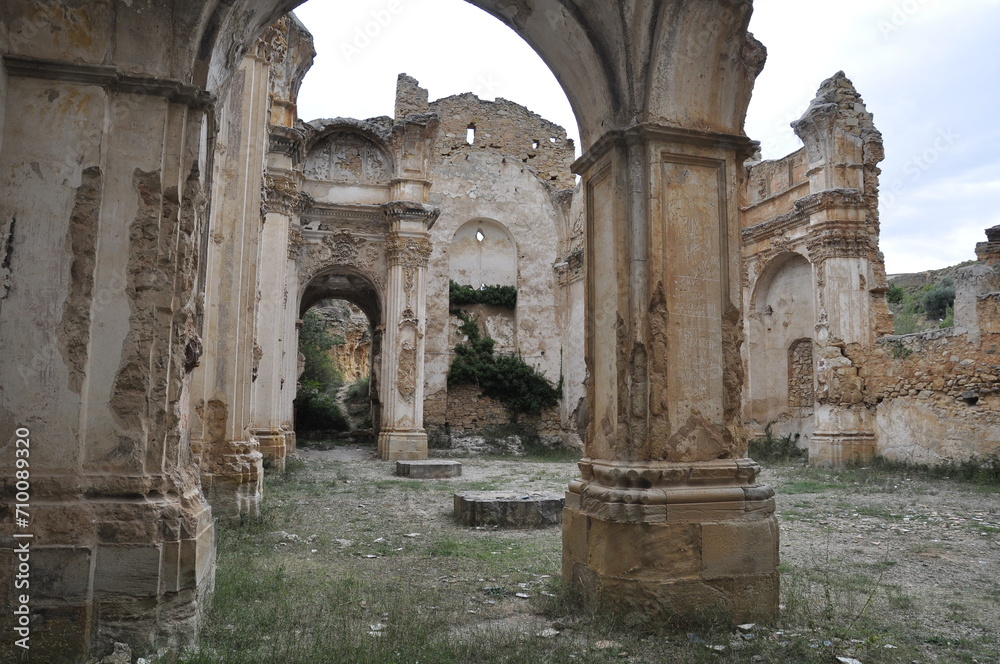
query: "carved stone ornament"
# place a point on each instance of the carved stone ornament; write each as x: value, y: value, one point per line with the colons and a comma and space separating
x: 406, y: 372
x: 839, y: 243
x: 272, y: 46
x: 281, y: 194
x: 408, y: 251
x: 344, y: 247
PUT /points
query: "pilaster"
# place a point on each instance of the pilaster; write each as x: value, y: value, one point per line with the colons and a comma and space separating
x: 668, y: 512
x: 408, y: 249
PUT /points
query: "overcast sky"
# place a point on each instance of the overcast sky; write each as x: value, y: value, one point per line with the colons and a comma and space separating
x: 929, y: 70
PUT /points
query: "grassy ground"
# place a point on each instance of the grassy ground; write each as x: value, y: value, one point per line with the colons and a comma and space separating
x: 349, y: 563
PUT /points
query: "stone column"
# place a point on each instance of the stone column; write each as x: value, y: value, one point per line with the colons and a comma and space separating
x: 273, y: 331
x: 668, y: 517
x: 102, y: 209
x: 231, y: 462
x: 408, y: 248
x: 277, y: 282
x: 843, y: 148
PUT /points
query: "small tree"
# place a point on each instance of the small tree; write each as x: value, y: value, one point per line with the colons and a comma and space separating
x: 937, y: 300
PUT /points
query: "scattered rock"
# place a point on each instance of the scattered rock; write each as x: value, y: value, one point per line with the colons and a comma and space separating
x: 121, y: 654
x: 606, y: 645
x: 548, y: 633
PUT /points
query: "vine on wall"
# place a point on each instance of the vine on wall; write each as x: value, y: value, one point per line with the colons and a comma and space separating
x: 506, y: 378
x: 497, y: 296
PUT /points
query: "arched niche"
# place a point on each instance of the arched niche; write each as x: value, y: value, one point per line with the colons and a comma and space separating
x: 781, y: 325
x: 347, y: 155
x: 483, y: 251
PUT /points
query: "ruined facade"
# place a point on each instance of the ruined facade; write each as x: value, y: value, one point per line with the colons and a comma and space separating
x: 501, y: 202
x: 129, y: 342
x: 821, y: 361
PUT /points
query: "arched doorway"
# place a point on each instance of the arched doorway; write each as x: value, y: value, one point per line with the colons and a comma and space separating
x: 348, y: 285
x: 106, y: 268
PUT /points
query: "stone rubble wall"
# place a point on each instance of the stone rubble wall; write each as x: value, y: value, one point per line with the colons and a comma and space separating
x: 469, y: 411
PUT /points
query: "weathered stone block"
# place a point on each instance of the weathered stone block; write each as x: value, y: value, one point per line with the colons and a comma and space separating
x: 62, y: 573
x: 739, y: 548
x: 520, y: 510
x: 429, y: 469
x: 644, y: 550
x: 127, y: 570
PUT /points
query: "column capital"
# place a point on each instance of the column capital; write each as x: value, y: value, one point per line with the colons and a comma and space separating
x: 281, y: 194
x: 834, y: 240
x: 408, y: 251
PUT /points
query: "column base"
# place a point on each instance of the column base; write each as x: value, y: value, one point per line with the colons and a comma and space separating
x: 273, y: 447
x: 687, y: 543
x: 232, y: 478
x: 290, y: 439
x: 402, y: 445
x: 834, y: 449
x: 127, y: 560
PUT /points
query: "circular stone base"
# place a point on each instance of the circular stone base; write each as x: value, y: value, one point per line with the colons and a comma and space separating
x: 510, y: 510
x: 429, y: 469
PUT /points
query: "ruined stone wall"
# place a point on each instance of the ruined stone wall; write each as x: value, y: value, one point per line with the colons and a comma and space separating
x: 470, y: 412
x: 509, y: 129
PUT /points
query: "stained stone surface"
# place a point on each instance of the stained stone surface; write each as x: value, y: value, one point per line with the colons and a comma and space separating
x: 509, y: 510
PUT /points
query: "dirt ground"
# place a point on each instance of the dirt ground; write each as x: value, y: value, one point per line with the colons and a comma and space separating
x: 908, y: 564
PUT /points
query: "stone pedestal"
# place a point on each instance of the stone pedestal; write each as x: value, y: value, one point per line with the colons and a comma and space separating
x: 511, y: 510
x: 683, y: 542
x: 429, y: 469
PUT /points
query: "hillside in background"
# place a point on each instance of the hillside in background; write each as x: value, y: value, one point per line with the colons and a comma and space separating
x: 922, y: 301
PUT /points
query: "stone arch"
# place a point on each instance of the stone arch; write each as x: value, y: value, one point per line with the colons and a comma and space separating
x: 661, y: 127
x: 343, y: 282
x: 781, y: 319
x: 483, y: 251
x: 348, y: 283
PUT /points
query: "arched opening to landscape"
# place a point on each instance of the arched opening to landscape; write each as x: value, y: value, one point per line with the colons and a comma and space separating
x: 339, y: 352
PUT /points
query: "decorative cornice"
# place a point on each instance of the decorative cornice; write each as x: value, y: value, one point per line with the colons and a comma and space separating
x: 838, y: 241
x: 411, y: 211
x: 286, y: 140
x: 803, y: 208
x: 110, y: 78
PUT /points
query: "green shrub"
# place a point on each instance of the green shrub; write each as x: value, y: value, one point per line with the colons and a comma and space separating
x: 936, y: 301
x: 314, y: 343
x: 497, y: 296
x: 895, y: 295
x: 316, y: 410
x: 949, y: 318
x: 905, y: 322
x: 772, y: 449
x: 506, y: 378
